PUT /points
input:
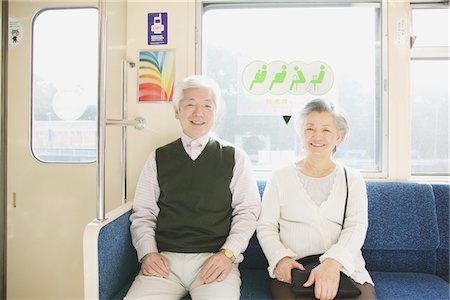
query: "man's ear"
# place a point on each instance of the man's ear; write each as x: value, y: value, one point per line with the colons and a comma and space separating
x: 175, y: 109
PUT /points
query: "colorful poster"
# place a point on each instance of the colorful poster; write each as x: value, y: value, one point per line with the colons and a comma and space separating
x: 156, y: 75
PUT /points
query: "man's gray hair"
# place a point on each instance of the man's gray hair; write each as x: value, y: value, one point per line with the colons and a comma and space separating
x: 196, y: 81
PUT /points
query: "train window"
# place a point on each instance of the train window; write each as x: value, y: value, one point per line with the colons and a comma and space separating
x: 271, y: 59
x: 425, y: 24
x: 64, y: 85
x: 430, y: 91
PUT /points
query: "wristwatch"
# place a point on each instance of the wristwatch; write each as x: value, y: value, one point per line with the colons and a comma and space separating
x: 228, y: 253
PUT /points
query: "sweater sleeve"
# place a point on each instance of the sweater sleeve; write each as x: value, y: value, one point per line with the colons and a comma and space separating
x: 352, y: 236
x: 268, y: 226
x: 246, y: 205
x: 145, y: 209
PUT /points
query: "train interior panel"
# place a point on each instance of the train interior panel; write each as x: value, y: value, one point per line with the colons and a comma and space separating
x: 87, y: 93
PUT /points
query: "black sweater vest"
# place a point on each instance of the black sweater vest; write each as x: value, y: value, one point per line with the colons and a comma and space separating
x: 195, y: 199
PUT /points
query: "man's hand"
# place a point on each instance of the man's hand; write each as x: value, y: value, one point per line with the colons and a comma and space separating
x: 155, y: 264
x: 216, y: 268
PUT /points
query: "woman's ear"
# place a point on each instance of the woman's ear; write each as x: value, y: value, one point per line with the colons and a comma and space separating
x: 339, y: 138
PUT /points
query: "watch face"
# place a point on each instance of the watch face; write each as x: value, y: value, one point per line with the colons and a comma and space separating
x: 228, y: 253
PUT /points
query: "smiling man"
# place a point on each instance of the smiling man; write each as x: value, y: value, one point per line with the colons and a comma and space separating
x: 196, y: 207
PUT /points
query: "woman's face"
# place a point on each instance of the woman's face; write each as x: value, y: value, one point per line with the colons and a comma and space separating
x: 320, y: 134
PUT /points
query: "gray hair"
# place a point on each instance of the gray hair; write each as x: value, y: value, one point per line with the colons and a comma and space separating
x: 196, y: 81
x: 320, y: 105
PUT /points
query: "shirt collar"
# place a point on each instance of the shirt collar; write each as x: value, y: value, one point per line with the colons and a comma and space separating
x: 187, y: 141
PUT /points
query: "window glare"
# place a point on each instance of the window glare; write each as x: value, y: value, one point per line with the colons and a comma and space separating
x: 430, y: 117
x: 296, y: 36
x: 430, y: 96
x: 425, y: 22
x: 64, y: 87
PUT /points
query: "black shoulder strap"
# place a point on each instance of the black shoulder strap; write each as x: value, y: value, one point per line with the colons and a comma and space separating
x: 346, y: 196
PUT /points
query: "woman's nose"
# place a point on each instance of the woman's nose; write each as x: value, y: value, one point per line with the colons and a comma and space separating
x: 316, y: 134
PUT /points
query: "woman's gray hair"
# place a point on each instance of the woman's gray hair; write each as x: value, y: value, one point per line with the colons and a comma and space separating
x: 196, y: 81
x: 320, y: 105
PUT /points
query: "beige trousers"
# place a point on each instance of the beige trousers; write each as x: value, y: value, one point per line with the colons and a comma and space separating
x: 184, y: 275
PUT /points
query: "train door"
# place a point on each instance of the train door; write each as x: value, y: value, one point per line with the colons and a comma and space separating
x: 49, y: 202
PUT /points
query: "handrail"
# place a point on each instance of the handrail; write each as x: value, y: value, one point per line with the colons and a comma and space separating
x: 123, y: 140
x: 138, y: 123
x: 101, y: 111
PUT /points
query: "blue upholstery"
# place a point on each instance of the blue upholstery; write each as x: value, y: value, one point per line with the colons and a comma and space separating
x: 411, y: 286
x: 255, y: 284
x: 402, y: 227
x: 406, y: 248
x: 116, y: 258
x: 442, y: 196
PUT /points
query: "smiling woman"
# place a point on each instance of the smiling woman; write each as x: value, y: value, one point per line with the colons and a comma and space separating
x: 322, y: 127
x: 319, y: 187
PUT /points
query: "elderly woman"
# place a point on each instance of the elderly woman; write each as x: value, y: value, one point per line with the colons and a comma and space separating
x: 304, y: 211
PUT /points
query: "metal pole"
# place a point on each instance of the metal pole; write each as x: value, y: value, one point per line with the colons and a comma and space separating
x: 101, y: 111
x: 123, y: 158
x: 3, y: 155
x: 123, y: 152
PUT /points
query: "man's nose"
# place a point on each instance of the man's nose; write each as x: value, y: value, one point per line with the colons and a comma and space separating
x: 198, y: 110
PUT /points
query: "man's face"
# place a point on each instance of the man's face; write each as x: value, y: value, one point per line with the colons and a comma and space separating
x: 196, y: 112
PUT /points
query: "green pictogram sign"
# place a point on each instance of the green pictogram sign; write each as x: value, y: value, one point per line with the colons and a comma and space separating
x: 296, y: 78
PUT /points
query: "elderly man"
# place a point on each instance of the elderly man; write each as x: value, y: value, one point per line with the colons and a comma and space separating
x: 196, y: 207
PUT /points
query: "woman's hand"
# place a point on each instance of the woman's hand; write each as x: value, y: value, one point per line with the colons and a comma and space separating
x: 326, y: 277
x: 283, y: 269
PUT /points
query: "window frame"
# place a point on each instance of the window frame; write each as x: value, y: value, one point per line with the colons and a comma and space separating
x: 429, y: 53
x: 382, y: 173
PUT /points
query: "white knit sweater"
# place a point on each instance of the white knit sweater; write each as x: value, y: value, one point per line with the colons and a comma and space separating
x: 291, y: 224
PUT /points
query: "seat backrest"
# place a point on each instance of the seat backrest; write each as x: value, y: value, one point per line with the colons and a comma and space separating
x: 253, y: 256
x: 442, y: 196
x: 117, y: 259
x: 403, y: 232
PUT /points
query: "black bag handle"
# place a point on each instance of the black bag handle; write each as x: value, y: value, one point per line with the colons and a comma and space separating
x: 346, y: 197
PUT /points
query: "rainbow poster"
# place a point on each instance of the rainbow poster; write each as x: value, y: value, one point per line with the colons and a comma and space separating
x: 156, y: 75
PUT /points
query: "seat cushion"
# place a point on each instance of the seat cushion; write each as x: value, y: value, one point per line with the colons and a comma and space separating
x: 255, y: 285
x: 411, y: 286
